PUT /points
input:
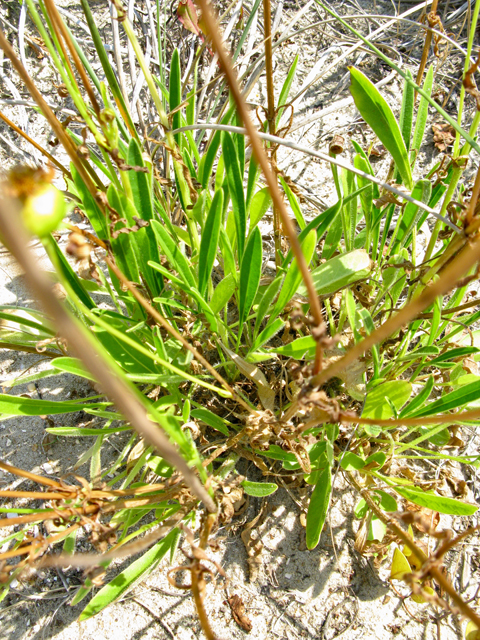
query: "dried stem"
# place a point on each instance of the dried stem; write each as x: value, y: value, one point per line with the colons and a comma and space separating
x: 426, y: 46
x: 198, y: 582
x: 267, y: 19
x: 30, y: 140
x: 63, y: 31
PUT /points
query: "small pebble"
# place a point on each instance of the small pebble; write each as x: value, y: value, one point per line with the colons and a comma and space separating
x: 47, y: 467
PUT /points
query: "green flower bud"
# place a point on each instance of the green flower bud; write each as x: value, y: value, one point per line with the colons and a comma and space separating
x: 44, y: 210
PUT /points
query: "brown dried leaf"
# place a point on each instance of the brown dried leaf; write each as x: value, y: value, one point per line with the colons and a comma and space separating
x: 425, y: 520
x: 238, y: 613
x: 443, y: 135
x: 378, y: 151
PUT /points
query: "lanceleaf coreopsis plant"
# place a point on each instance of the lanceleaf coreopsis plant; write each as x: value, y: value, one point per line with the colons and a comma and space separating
x: 176, y: 248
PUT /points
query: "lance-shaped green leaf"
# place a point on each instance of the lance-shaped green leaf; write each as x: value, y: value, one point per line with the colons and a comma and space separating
x: 294, y: 275
x: 464, y: 395
x: 250, y: 272
x: 20, y: 406
x: 283, y: 97
x: 375, y: 111
x: 340, y: 272
x: 222, y: 294
x: 175, y: 91
x: 259, y: 205
x: 318, y: 507
x: 421, y: 119
x: 209, y: 242
x: 259, y: 489
x: 406, y: 113
x: 173, y: 253
x: 129, y: 577
x: 433, y: 501
x: 235, y: 188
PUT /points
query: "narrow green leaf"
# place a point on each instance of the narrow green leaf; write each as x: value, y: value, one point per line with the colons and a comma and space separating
x: 318, y: 507
x: 434, y: 502
x: 294, y: 276
x: 259, y: 489
x: 175, y: 91
x: 297, y: 349
x: 123, y: 246
x: 75, y: 432
x: 209, y: 241
x: 140, y: 182
x: 250, y: 272
x: 376, y: 112
x: 267, y: 299
x: 292, y: 199
x: 340, y: 272
x: 406, y: 113
x: 235, y: 188
x: 285, y: 90
x: 89, y: 206
x: 66, y: 272
x: 174, y: 254
x: 422, y: 115
x: 107, y: 66
x: 18, y: 406
x: 222, y: 294
x: 267, y: 334
x: 458, y: 398
x: 128, y: 578
x: 260, y: 204
x: 320, y: 223
x: 459, y: 352
x: 211, y: 419
x: 420, y: 399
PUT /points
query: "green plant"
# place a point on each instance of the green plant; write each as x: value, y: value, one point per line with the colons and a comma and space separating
x: 182, y: 266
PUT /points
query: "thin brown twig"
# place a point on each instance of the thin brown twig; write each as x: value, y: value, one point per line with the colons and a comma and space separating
x: 17, y: 347
x: 426, y: 46
x: 267, y: 21
x: 85, y: 560
x: 31, y: 141
x: 57, y: 22
x: 198, y: 581
x: 22, y: 473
